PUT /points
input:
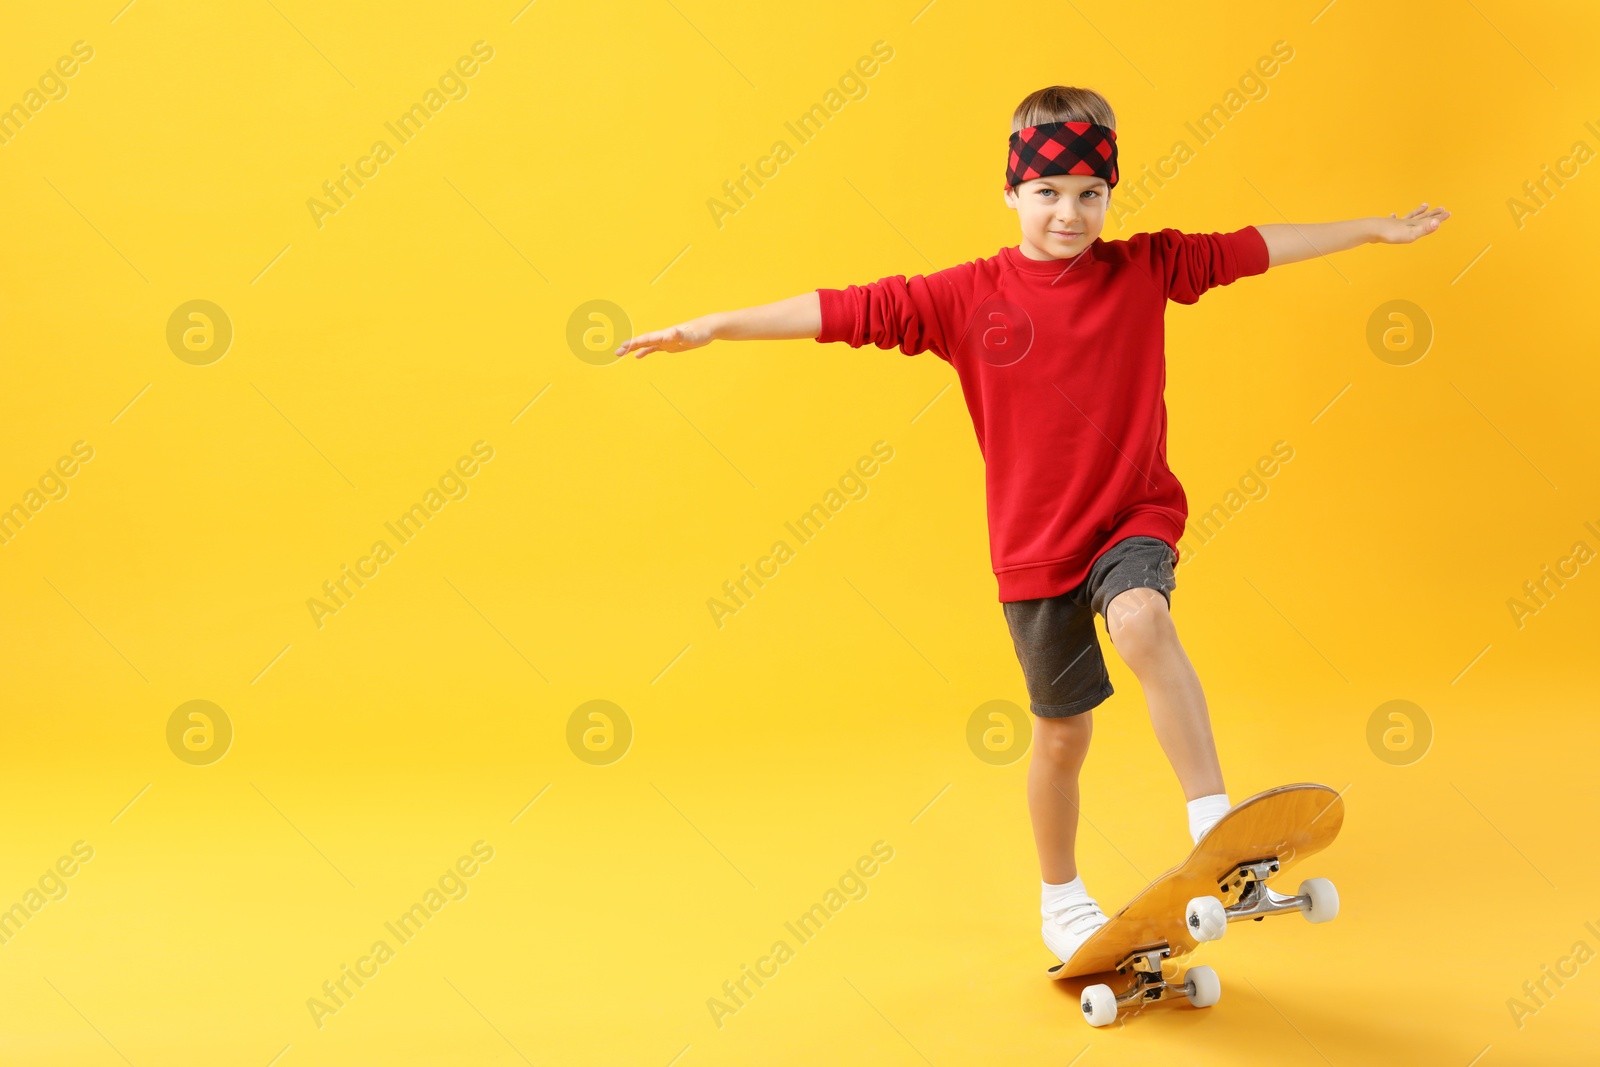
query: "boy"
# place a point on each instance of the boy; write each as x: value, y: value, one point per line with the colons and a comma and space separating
x: 1059, y: 348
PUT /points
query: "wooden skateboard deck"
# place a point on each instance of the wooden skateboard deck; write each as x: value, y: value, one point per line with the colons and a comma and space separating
x: 1287, y: 824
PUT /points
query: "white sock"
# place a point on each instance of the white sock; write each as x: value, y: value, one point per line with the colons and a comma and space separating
x: 1055, y: 895
x: 1204, y: 813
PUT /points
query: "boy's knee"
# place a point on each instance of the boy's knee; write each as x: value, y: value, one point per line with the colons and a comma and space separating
x: 1062, y: 742
x: 1140, y: 626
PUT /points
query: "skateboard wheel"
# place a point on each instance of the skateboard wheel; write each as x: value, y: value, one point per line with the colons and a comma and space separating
x: 1205, y: 919
x: 1322, y: 900
x: 1099, y: 1005
x: 1204, y: 987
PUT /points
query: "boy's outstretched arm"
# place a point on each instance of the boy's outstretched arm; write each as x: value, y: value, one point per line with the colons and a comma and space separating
x: 797, y: 317
x: 1288, y: 243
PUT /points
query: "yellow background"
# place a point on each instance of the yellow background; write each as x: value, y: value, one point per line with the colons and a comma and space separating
x: 827, y: 714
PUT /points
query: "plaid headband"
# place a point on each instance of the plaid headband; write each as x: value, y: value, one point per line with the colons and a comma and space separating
x: 1062, y: 148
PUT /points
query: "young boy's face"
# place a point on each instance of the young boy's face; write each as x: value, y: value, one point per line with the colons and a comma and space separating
x: 1061, y: 215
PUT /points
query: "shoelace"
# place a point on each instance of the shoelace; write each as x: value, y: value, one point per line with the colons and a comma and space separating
x: 1077, y: 916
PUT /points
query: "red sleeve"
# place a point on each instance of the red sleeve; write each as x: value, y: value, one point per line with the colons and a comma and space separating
x: 912, y: 314
x: 1184, y: 265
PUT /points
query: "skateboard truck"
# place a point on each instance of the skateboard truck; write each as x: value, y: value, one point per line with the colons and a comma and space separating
x: 1243, y: 895
x: 1148, y: 985
x: 1200, y: 986
x: 1244, y: 892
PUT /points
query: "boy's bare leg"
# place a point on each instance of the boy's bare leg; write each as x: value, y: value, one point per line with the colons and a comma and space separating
x: 1059, y: 746
x: 1144, y: 636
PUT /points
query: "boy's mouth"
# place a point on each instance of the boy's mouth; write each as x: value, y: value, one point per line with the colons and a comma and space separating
x: 1067, y: 235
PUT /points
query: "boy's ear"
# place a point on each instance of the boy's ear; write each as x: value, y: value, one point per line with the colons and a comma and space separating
x: 1011, y: 197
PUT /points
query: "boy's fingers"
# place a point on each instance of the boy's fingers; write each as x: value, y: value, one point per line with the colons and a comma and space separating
x: 656, y: 341
x: 642, y: 339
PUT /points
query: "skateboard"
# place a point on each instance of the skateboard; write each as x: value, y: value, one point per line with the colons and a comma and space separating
x: 1222, y: 881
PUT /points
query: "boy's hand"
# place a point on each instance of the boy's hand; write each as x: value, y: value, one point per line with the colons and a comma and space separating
x: 1403, y: 229
x: 695, y: 333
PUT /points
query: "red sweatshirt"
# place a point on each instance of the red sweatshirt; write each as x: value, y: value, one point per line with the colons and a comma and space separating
x: 1063, y: 365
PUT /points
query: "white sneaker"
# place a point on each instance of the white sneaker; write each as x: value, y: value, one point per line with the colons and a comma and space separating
x: 1067, y: 925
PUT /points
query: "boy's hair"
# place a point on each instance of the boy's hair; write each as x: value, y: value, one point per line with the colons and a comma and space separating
x: 1063, y: 103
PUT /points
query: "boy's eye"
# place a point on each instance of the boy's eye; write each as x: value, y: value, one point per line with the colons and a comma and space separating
x: 1090, y: 192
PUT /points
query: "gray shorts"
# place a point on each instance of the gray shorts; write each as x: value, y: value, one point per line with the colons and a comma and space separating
x: 1055, y: 638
